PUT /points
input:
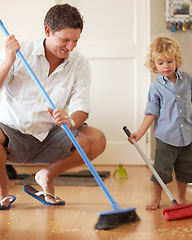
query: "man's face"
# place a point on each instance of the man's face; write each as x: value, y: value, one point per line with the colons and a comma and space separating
x: 62, y: 42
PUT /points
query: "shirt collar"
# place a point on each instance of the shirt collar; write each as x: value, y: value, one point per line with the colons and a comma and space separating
x: 39, y: 49
x: 178, y: 74
x: 165, y: 79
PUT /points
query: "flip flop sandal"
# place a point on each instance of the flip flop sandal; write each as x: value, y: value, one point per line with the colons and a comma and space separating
x: 12, y: 199
x: 40, y: 195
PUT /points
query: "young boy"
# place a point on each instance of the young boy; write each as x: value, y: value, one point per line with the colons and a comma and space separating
x: 169, y: 106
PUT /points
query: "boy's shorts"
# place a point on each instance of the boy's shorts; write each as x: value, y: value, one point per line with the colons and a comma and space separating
x: 169, y: 157
x: 26, y: 149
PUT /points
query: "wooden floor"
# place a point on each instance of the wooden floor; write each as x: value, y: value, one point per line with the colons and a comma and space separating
x: 29, y: 219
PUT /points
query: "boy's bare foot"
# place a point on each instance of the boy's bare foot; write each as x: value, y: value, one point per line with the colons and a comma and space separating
x: 181, y: 193
x: 183, y: 201
x: 157, y: 189
x: 152, y: 206
x: 47, y: 184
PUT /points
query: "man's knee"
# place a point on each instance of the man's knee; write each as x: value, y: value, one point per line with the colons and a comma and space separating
x: 100, y: 141
x: 93, y: 141
x: 97, y: 144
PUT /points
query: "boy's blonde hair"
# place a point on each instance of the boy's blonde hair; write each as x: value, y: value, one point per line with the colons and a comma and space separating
x: 163, y: 46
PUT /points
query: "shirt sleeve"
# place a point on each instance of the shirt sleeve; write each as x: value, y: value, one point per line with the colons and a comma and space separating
x: 153, y: 102
x: 80, y: 94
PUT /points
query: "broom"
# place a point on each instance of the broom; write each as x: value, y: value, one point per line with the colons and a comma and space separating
x: 107, y: 220
x: 178, y: 211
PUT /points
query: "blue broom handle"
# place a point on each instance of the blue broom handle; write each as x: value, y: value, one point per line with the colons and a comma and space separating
x: 66, y: 128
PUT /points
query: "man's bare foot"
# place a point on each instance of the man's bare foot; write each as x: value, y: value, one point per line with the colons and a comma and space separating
x: 4, y: 189
x: 47, y: 184
x: 153, y: 206
x: 4, y: 203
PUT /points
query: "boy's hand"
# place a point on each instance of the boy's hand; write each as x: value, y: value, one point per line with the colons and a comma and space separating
x: 136, y: 137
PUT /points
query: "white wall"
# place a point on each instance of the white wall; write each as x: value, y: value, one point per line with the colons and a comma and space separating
x: 115, y: 42
x: 159, y: 28
x: 24, y: 18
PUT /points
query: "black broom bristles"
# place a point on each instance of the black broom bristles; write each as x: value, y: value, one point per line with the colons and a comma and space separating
x: 116, y: 219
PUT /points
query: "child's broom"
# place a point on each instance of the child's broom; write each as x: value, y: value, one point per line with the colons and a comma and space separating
x: 179, y: 211
x: 107, y: 220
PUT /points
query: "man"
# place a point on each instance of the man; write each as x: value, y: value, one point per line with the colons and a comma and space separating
x: 28, y: 134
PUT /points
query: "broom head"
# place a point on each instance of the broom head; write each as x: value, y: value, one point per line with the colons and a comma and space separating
x: 113, y: 219
x: 178, y: 212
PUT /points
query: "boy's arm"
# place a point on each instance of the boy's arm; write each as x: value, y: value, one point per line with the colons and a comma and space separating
x: 147, y: 122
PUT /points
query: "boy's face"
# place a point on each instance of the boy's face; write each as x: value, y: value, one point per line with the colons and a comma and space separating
x: 62, y: 42
x: 166, y: 66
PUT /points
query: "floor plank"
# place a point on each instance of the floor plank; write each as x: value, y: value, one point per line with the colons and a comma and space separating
x: 29, y: 219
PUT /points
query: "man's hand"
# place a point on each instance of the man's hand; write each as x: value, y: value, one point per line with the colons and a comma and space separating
x: 11, y: 47
x: 60, y: 116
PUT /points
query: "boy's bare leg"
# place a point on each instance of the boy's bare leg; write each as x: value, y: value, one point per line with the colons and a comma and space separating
x: 181, y: 193
x: 93, y: 143
x: 4, y: 180
x: 157, y: 190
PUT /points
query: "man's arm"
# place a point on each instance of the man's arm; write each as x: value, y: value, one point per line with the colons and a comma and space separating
x: 79, y: 117
x: 11, y: 46
x: 74, y: 121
